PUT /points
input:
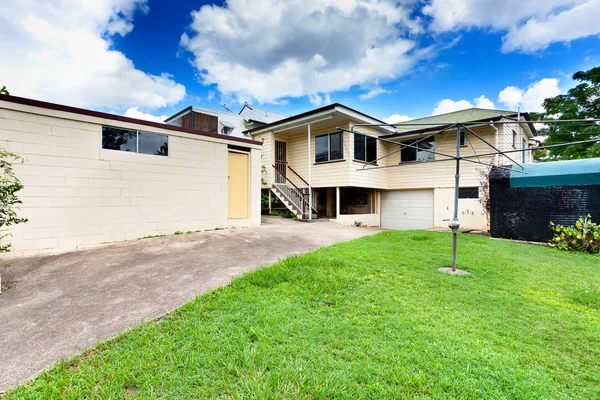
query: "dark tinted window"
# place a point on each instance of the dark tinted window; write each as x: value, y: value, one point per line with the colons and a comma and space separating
x: 365, y: 148
x: 468, y: 193
x: 119, y: 139
x: 371, y: 149
x: 408, y: 153
x: 329, y: 147
x: 420, y: 153
x: 462, y: 139
x: 151, y: 143
x: 322, y: 148
x: 336, y: 152
x: 360, y: 153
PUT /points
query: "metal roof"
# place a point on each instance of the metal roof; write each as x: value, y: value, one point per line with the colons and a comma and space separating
x: 329, y: 107
x: 468, y: 115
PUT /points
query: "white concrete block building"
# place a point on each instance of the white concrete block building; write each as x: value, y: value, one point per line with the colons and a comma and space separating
x: 93, y: 178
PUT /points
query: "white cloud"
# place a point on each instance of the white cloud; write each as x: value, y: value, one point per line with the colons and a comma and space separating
x: 61, y: 51
x: 532, y: 98
x: 484, y: 102
x: 578, y: 22
x: 396, y: 118
x: 373, y: 93
x: 317, y: 100
x: 530, y: 25
x: 448, y: 105
x: 302, y: 47
x: 134, y: 112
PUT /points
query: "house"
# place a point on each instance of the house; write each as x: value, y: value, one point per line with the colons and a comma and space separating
x: 361, y: 175
x: 224, y: 123
x: 91, y: 177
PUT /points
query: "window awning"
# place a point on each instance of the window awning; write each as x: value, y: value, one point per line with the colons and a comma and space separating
x: 227, y: 124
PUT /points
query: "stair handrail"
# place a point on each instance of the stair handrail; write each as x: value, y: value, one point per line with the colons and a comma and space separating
x: 288, y: 179
x: 314, y: 192
x: 300, y: 191
x: 301, y: 178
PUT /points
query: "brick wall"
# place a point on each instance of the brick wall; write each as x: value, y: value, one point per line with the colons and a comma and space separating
x: 77, y: 194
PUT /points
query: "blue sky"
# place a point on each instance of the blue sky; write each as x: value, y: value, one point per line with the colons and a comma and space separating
x: 382, y: 58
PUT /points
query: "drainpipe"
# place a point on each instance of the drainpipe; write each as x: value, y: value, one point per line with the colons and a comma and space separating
x: 496, y: 138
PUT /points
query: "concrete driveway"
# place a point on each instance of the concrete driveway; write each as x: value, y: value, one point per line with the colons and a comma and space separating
x: 62, y: 304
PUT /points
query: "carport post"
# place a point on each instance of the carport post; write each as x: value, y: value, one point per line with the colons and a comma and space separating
x: 454, y: 225
x: 309, y: 179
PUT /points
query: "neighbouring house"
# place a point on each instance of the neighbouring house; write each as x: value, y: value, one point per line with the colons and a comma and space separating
x: 524, y: 204
x: 224, y: 123
x: 365, y: 178
x: 91, y: 177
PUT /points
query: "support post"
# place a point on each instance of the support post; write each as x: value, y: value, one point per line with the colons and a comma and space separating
x: 337, y: 202
x: 309, y: 179
x: 269, y: 191
x: 454, y: 225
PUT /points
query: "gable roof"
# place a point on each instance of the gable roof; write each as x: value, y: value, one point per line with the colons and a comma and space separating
x: 330, y: 107
x: 441, y: 121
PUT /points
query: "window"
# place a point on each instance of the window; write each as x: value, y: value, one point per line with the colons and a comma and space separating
x: 329, y: 147
x: 514, y: 139
x: 423, y: 153
x: 524, y: 155
x: 151, y: 143
x: 226, y: 130
x: 119, y: 139
x: 365, y: 148
x: 468, y: 193
x: 134, y: 141
x: 463, y: 142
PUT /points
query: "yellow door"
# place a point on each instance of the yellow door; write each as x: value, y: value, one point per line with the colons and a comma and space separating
x: 238, y: 185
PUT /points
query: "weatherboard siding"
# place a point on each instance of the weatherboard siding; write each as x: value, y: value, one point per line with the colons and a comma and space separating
x: 423, y: 175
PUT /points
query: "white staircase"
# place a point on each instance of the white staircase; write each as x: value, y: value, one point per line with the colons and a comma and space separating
x: 296, y: 200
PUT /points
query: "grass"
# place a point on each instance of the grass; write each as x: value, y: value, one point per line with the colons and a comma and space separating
x: 370, y: 318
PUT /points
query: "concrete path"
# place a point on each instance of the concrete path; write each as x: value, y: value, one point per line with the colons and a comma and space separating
x: 62, y: 304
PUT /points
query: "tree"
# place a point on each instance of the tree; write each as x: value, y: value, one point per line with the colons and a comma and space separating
x: 580, y: 102
x: 3, y: 90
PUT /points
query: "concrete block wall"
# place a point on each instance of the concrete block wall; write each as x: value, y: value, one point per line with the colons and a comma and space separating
x: 77, y: 194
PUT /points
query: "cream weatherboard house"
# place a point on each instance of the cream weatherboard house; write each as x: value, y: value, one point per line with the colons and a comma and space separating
x: 92, y: 178
x: 361, y: 176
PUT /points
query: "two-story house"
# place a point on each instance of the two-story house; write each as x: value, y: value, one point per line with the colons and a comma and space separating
x: 361, y: 175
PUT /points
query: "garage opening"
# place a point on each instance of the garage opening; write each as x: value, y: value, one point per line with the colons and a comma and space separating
x: 407, y: 209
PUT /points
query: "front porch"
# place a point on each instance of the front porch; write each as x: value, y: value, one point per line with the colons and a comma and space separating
x: 350, y: 206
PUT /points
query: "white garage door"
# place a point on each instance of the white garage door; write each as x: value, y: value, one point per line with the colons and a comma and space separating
x: 407, y: 209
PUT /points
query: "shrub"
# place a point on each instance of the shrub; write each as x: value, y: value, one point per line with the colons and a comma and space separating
x: 9, y: 201
x: 584, y: 236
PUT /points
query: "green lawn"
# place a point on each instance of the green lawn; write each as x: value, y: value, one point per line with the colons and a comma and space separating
x: 369, y: 318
